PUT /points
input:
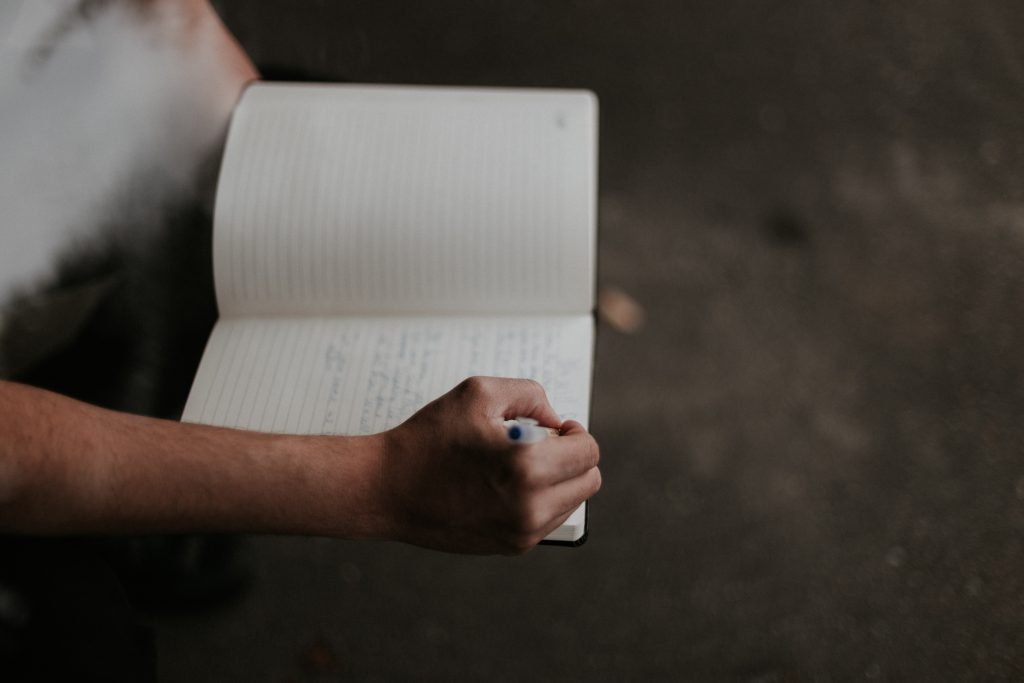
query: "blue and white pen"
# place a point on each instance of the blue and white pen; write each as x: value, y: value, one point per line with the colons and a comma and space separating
x: 526, y: 430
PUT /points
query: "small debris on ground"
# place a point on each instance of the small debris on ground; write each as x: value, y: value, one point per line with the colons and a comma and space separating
x: 619, y: 310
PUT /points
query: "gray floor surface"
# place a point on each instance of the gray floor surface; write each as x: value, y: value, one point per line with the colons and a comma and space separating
x: 812, y: 450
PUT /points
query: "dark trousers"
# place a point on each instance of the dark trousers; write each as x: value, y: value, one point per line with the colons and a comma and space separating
x: 64, y: 616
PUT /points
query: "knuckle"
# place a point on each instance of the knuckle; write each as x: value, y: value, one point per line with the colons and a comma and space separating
x: 522, y: 543
x: 597, y: 480
x: 476, y: 387
x: 594, y: 451
x: 534, y: 522
x: 535, y: 386
x: 536, y: 389
x: 467, y: 386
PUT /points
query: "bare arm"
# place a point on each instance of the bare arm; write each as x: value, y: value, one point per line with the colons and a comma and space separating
x: 68, y: 467
x: 445, y: 479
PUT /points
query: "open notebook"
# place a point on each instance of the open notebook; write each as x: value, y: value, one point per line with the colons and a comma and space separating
x: 376, y: 245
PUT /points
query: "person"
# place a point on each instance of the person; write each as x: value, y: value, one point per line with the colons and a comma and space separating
x: 146, y: 91
x: 72, y: 471
x: 445, y: 479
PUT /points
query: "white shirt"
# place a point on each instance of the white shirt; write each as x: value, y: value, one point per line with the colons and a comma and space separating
x: 102, y: 114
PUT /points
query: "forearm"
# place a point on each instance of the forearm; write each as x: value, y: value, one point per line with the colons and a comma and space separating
x: 67, y: 468
x: 446, y: 478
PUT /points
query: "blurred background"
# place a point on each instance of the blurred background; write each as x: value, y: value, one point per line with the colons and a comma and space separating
x: 809, y: 377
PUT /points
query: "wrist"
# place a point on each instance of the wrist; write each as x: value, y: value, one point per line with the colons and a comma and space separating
x: 341, y: 492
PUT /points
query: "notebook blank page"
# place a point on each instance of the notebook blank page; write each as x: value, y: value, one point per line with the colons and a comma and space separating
x: 377, y: 200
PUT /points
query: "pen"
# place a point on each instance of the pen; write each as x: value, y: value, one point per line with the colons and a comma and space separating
x: 526, y: 430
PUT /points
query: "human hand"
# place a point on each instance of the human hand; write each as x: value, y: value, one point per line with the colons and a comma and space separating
x: 451, y: 480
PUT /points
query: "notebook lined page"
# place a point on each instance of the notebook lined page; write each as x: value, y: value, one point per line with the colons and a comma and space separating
x: 365, y: 375
x: 376, y: 200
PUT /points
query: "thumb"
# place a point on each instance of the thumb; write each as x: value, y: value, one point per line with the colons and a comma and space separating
x: 526, y: 398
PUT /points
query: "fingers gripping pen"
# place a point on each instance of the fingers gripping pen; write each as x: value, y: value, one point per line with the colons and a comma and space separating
x: 526, y: 430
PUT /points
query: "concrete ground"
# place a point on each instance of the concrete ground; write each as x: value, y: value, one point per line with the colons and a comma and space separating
x: 812, y: 449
